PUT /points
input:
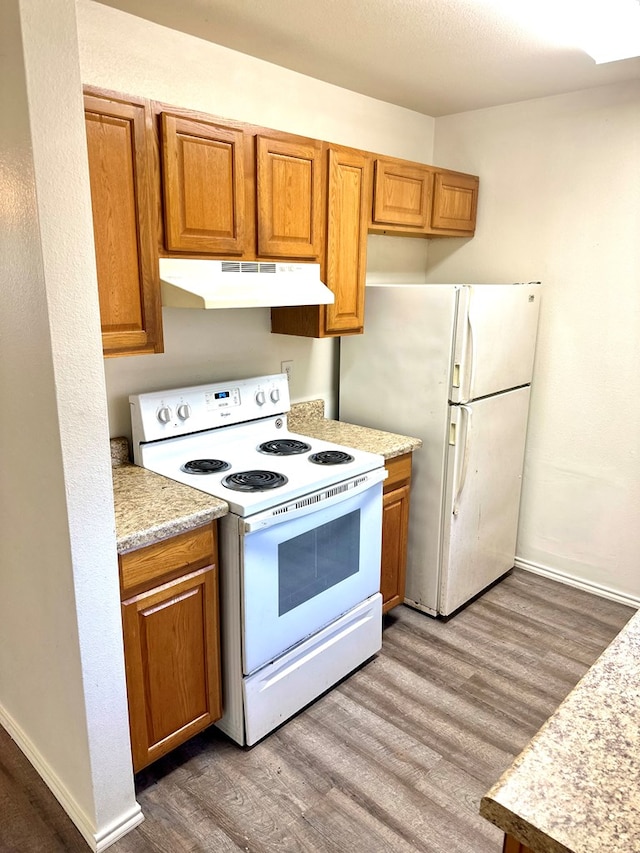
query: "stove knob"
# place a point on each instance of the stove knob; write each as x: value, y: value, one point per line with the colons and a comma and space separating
x: 260, y: 398
x: 184, y: 411
x: 275, y: 395
x: 164, y: 414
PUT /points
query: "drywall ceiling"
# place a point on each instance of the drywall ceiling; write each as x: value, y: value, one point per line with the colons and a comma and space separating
x: 435, y: 56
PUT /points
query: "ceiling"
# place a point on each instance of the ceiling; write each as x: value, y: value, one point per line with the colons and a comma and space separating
x: 435, y: 56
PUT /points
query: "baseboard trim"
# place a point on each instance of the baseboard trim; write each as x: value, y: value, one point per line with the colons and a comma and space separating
x: 97, y: 841
x: 569, y: 580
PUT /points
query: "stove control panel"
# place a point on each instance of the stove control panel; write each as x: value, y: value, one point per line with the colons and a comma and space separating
x: 180, y: 411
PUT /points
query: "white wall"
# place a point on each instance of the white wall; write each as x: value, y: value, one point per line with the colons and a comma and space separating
x: 62, y: 687
x: 560, y: 203
x: 125, y: 53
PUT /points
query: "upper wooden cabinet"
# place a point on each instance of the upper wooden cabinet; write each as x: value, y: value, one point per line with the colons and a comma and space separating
x: 123, y: 200
x: 232, y: 191
x: 423, y: 201
x: 343, y: 267
x: 402, y: 194
x: 204, y: 187
x: 455, y: 201
x: 289, y: 197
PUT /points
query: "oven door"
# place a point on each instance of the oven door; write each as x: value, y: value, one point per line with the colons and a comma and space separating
x: 310, y: 564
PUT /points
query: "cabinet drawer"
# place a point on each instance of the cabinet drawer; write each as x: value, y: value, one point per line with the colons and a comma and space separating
x: 185, y: 552
x: 399, y: 469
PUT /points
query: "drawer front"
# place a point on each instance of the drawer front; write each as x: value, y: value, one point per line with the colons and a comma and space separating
x: 185, y: 552
x: 399, y: 469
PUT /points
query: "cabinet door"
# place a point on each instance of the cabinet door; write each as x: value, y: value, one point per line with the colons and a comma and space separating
x: 289, y: 197
x: 347, y: 220
x: 122, y: 199
x: 395, y: 524
x: 203, y: 172
x: 402, y: 194
x: 455, y: 200
x: 172, y: 662
x: 395, y: 529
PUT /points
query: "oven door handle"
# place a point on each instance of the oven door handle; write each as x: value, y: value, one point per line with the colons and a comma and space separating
x: 314, y: 501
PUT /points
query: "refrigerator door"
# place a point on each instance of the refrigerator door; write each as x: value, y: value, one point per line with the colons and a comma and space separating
x: 495, y: 339
x: 396, y: 377
x: 482, y: 497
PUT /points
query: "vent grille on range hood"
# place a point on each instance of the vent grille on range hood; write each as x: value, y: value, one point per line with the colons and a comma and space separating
x: 189, y: 283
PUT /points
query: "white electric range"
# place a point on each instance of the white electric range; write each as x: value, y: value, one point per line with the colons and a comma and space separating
x: 299, y: 551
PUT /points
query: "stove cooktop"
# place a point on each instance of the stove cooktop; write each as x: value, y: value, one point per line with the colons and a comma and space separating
x: 231, y: 440
x: 227, y: 462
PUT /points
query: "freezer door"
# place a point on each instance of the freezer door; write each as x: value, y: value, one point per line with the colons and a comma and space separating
x: 484, y: 476
x: 495, y: 339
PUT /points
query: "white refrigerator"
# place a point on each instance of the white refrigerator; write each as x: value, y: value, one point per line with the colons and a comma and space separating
x: 452, y: 365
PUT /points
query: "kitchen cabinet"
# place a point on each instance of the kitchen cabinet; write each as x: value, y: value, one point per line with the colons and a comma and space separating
x: 344, y: 264
x: 169, y: 594
x: 123, y: 200
x: 289, y: 197
x: 402, y: 194
x: 235, y: 190
x: 203, y: 186
x: 418, y: 200
x: 455, y: 202
x: 395, y: 528
x: 512, y: 845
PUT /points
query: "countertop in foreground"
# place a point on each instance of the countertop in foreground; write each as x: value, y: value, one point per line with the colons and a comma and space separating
x: 576, y: 787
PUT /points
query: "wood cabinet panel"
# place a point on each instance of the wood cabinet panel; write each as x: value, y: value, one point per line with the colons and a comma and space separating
x: 395, y: 529
x: 512, y: 845
x: 172, y: 663
x: 204, y: 186
x: 289, y: 197
x: 122, y: 195
x: 190, y: 550
x: 348, y: 204
x: 402, y: 194
x: 395, y: 521
x: 455, y: 201
x: 348, y: 199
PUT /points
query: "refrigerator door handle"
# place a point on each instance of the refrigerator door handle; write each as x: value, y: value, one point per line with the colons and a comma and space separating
x: 472, y: 346
x: 465, y: 458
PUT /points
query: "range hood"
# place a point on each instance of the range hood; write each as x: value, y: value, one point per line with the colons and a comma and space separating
x: 189, y: 283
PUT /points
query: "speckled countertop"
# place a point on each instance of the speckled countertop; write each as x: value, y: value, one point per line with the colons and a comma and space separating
x: 149, y: 507
x: 576, y: 786
x: 308, y: 419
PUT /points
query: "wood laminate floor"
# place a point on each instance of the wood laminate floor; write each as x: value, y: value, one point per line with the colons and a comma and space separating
x: 395, y: 758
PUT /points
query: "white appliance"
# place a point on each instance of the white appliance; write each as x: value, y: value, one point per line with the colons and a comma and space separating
x: 206, y: 283
x: 299, y: 552
x: 452, y: 365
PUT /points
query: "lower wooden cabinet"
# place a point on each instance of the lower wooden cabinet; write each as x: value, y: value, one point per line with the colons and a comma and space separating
x: 395, y: 528
x: 512, y: 845
x: 171, y: 642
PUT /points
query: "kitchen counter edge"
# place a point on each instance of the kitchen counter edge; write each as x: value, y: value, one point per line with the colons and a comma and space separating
x: 572, y: 789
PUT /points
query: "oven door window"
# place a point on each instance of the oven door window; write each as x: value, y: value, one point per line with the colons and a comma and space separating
x: 301, y: 574
x: 318, y: 559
